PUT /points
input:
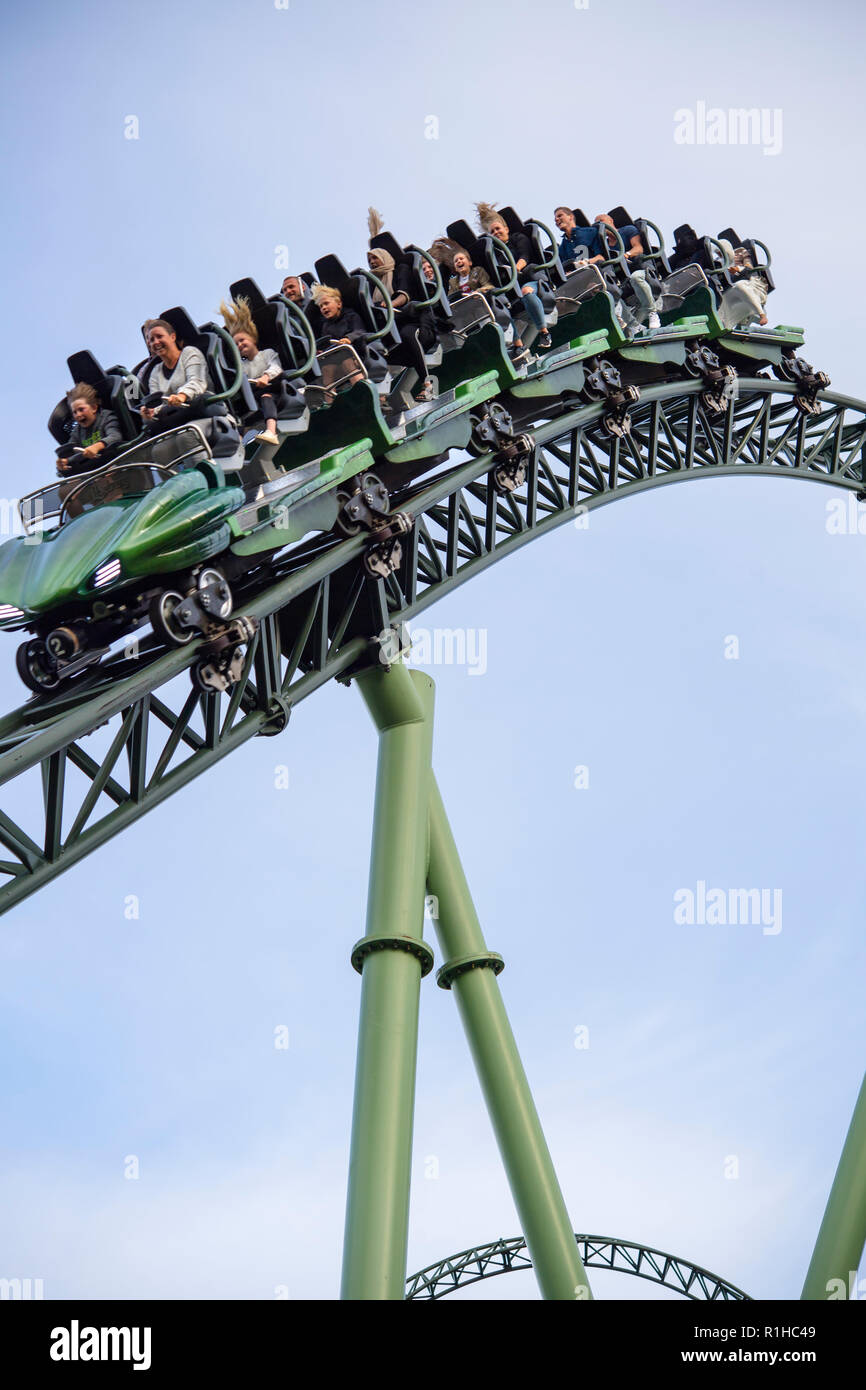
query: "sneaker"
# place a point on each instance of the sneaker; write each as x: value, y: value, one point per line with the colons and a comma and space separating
x: 654, y: 321
x: 426, y: 393
x: 544, y: 341
x: 268, y: 437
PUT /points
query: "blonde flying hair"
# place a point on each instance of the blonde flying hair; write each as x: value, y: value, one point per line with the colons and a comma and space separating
x: 238, y: 318
x: 320, y: 292
x: 487, y: 214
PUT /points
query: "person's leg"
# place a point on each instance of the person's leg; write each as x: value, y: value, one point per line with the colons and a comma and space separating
x: 643, y: 293
x: 533, y: 307
x: 412, y: 353
x: 269, y: 410
x: 329, y: 376
x: 169, y: 417
x: 647, y: 305
x: 736, y: 306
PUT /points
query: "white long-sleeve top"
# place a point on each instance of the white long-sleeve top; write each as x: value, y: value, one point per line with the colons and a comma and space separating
x: 188, y: 377
x: 265, y: 363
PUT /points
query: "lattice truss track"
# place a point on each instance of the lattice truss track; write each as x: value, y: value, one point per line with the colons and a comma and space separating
x: 596, y: 1252
x: 77, y: 768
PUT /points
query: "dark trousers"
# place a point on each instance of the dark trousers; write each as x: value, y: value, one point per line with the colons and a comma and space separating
x: 267, y: 402
x: 413, y: 340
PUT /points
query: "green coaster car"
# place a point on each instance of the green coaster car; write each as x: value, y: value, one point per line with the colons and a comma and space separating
x: 158, y: 535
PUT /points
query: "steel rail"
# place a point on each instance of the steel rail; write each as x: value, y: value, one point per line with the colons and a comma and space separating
x: 326, y: 620
x: 597, y: 1252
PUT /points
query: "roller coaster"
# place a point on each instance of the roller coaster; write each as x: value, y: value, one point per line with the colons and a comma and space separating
x: 268, y: 570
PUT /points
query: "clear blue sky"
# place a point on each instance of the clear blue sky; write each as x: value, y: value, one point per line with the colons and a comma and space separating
x: 261, y: 128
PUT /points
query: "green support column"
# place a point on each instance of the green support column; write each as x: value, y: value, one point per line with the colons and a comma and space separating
x: 839, y: 1247
x: 471, y: 970
x: 392, y: 958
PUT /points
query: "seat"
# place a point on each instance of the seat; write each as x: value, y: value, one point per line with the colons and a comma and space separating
x: 356, y: 290
x: 225, y: 371
x: 427, y: 299
x: 283, y: 327
x: 545, y: 260
x: 118, y: 390
x: 229, y: 398
x: 751, y: 246
x: 623, y: 269
x: 688, y: 249
x: 497, y: 260
x: 581, y: 284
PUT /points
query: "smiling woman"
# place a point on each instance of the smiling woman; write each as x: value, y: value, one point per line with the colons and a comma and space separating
x: 179, y: 376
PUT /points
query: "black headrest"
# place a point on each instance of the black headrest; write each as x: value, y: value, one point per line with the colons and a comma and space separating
x: 331, y: 271
x: 184, y: 328
x: 265, y: 320
x: 462, y: 233
x: 620, y: 217
x: 83, y: 367
x: 356, y: 291
x: 730, y: 235
x: 685, y: 235
x: 511, y: 220
x: 384, y: 241
x: 581, y: 218
x: 248, y: 289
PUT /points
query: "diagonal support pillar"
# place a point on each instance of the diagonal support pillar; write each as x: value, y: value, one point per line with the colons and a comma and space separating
x: 392, y: 958
x: 841, y: 1239
x: 471, y: 970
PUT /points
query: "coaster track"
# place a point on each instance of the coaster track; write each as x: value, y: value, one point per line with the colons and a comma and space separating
x: 324, y: 619
x: 596, y: 1252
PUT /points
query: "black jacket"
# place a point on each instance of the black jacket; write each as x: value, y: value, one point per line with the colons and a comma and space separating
x: 422, y: 319
x: 520, y: 247
x: 348, y: 325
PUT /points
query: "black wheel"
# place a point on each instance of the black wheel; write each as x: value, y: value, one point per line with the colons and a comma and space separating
x: 224, y: 603
x: 348, y: 528
x: 162, y: 607
x: 483, y: 437
x: 600, y: 381
x: 691, y: 366
x: 783, y: 370
x: 35, y: 666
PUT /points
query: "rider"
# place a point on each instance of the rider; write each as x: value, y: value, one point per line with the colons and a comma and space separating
x: 94, y: 436
x: 179, y: 375
x: 262, y: 367
x: 634, y: 251
x: 577, y: 242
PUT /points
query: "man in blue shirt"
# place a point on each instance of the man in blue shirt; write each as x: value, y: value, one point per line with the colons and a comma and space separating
x: 576, y: 240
